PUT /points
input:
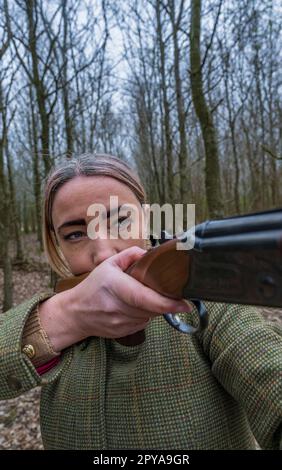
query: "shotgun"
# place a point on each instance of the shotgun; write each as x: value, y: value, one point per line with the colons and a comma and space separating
x: 233, y: 260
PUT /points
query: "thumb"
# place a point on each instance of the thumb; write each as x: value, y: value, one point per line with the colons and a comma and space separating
x: 125, y: 258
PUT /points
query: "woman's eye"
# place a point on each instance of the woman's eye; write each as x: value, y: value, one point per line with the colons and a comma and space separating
x: 74, y: 236
x: 122, y: 220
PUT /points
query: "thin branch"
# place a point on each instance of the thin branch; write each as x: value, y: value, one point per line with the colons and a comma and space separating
x: 273, y: 155
x: 212, y: 36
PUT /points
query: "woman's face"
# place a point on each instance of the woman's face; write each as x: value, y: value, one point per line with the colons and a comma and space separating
x: 70, y: 220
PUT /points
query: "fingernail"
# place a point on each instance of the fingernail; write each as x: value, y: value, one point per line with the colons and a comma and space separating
x: 183, y: 307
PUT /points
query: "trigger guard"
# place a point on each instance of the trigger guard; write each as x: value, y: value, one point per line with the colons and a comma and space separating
x: 186, y: 328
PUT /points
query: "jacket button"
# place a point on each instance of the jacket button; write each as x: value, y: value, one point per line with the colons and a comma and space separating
x: 29, y: 351
x: 14, y: 383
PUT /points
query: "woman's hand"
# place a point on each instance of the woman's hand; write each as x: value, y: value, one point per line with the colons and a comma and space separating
x: 108, y: 303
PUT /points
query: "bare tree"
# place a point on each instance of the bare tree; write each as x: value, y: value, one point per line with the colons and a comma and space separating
x: 212, y: 173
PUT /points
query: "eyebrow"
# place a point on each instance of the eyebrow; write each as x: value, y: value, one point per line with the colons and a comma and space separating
x: 70, y: 223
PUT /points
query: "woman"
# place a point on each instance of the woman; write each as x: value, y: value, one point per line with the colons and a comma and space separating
x: 214, y: 390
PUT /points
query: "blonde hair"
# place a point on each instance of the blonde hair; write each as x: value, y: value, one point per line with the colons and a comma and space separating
x: 84, y: 165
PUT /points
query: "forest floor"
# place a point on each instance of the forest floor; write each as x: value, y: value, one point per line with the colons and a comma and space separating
x: 19, y: 418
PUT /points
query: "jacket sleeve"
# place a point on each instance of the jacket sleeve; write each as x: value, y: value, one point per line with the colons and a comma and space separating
x: 17, y: 373
x: 246, y: 356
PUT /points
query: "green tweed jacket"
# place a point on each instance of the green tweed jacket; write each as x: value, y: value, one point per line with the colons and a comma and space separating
x: 216, y: 390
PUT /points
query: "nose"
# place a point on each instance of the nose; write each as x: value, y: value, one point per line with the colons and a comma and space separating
x: 102, y: 250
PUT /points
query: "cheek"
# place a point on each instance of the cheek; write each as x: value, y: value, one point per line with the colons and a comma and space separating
x: 79, y: 265
x: 123, y: 244
x: 68, y: 250
x: 140, y: 242
x: 75, y: 256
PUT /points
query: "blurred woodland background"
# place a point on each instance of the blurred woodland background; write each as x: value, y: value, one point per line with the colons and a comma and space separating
x: 187, y: 91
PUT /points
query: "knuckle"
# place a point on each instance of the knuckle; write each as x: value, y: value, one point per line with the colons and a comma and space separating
x: 115, y: 322
x: 108, y: 305
x: 135, y: 299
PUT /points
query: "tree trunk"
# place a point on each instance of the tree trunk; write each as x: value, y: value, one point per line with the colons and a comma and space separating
x: 5, y: 211
x: 185, y: 176
x: 166, y: 108
x: 212, y: 172
x: 232, y: 123
x: 39, y: 86
x: 8, y: 278
x: 65, y: 89
x: 15, y: 219
x: 33, y: 139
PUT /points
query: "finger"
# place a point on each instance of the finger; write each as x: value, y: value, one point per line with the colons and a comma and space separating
x: 135, y: 322
x: 125, y: 258
x: 137, y: 314
x: 141, y: 314
x: 132, y: 328
x: 190, y: 305
x: 139, y: 296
